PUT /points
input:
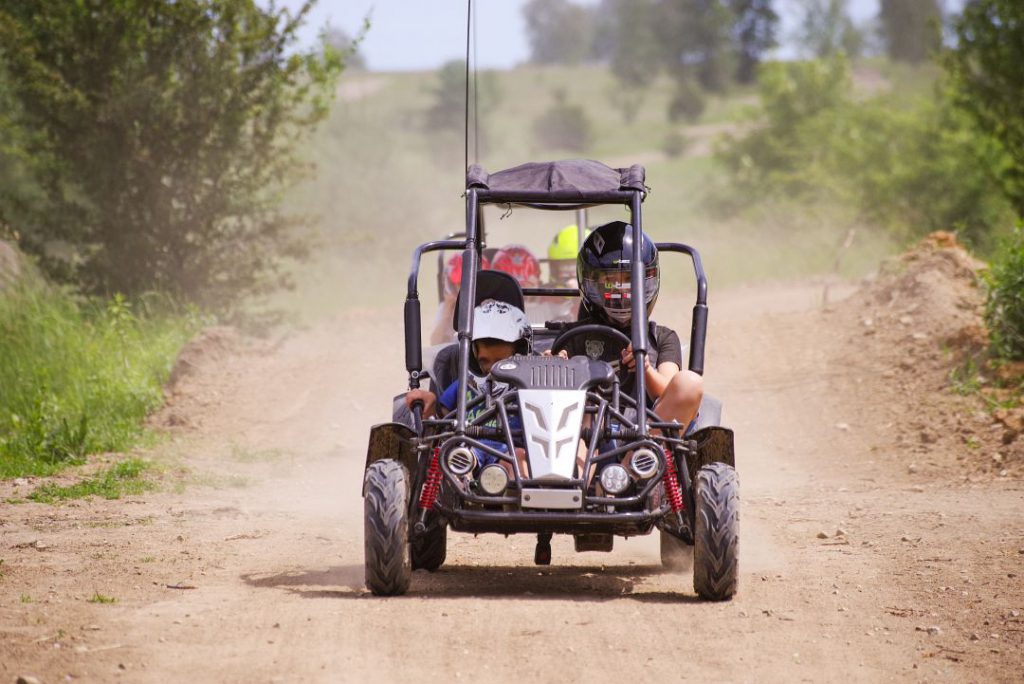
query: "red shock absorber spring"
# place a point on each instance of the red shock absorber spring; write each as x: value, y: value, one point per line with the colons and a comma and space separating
x: 671, y: 480
x: 428, y: 497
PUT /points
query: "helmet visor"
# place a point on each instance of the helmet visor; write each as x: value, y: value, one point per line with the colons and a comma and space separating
x: 612, y: 289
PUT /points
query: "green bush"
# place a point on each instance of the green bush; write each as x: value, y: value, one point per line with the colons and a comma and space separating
x: 78, y: 375
x: 674, y: 144
x: 687, y: 103
x: 563, y: 126
x: 1004, y: 310
x: 911, y: 165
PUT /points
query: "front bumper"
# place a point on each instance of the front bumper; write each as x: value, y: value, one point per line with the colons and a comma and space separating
x: 627, y: 523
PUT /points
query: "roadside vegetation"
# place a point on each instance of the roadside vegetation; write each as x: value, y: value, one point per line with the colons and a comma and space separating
x: 80, y: 374
x: 145, y: 149
x: 123, y: 478
x: 1004, y: 312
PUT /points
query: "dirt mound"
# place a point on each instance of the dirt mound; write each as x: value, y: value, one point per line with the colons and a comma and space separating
x: 200, y: 373
x: 211, y: 346
x: 930, y: 293
x: 917, y: 335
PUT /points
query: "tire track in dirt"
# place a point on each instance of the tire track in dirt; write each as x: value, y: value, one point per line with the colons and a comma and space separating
x: 277, y: 563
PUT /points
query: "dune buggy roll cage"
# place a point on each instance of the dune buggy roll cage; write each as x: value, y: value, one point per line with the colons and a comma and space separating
x: 560, y: 195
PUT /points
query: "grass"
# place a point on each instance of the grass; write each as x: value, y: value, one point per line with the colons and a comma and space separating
x: 965, y: 378
x: 25, y: 598
x: 79, y: 375
x: 121, y: 479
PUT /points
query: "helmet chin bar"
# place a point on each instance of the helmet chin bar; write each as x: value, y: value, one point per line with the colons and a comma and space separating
x: 623, y: 316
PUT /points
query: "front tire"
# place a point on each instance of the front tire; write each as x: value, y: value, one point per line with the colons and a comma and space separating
x: 716, y: 537
x: 386, y: 528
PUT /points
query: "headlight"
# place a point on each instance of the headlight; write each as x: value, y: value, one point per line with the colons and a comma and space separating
x: 644, y: 463
x: 461, y: 461
x: 614, y: 479
x: 493, y: 479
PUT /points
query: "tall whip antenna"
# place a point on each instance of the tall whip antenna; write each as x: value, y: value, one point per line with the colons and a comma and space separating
x: 469, y: 25
x: 476, y: 99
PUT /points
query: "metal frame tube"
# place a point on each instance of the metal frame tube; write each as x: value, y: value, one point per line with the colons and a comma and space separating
x: 699, y: 319
x: 413, y: 336
x: 565, y: 199
x: 581, y: 227
x: 639, y: 311
x: 470, y: 260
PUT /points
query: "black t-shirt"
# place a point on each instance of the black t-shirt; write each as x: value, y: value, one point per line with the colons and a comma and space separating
x: 663, y: 347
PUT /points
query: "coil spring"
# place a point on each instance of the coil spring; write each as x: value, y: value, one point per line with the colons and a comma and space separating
x: 428, y: 497
x: 671, y: 479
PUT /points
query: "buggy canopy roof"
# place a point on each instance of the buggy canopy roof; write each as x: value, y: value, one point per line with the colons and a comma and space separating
x: 570, y: 181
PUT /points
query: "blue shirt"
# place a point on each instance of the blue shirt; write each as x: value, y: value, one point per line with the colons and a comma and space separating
x: 448, y: 400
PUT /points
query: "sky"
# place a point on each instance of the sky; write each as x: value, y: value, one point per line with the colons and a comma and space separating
x: 424, y: 34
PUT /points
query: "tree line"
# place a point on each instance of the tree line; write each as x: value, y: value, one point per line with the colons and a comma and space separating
x: 709, y: 45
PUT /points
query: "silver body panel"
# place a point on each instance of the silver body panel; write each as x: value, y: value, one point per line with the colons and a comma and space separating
x: 552, y: 420
x: 564, y: 499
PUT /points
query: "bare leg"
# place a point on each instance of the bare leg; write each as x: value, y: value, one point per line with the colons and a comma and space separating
x: 681, y: 399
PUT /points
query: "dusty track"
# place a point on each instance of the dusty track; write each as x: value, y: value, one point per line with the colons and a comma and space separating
x: 272, y: 554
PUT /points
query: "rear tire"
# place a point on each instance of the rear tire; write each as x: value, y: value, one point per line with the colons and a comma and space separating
x: 430, y: 548
x: 676, y: 555
x: 716, y: 537
x: 386, y: 528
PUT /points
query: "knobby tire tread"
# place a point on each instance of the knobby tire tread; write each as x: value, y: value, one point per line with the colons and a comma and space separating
x: 716, y: 537
x: 430, y: 549
x: 386, y: 532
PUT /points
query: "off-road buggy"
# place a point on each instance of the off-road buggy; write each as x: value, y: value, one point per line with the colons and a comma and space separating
x: 640, y: 473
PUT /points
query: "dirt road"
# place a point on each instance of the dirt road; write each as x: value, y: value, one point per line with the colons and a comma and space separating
x: 852, y: 567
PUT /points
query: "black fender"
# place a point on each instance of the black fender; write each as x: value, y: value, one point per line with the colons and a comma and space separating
x: 714, y: 444
x: 392, y: 440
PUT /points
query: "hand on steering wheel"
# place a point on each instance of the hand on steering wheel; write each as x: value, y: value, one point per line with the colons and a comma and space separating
x: 613, y: 341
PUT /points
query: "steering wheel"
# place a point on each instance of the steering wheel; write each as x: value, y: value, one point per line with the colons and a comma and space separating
x: 612, y: 342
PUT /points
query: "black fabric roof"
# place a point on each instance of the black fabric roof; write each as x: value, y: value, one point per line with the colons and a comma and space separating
x: 570, y: 180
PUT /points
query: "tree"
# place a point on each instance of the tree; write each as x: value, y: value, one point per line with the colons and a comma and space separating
x: 348, y: 47
x: 754, y: 34
x: 559, y: 31
x: 17, y: 187
x: 911, y: 29
x: 627, y: 37
x: 446, y: 116
x: 988, y: 82
x: 694, y: 36
x: 687, y: 103
x: 448, y: 111
x: 162, y: 135
x: 826, y: 29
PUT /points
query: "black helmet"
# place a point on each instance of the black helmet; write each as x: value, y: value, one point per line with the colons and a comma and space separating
x: 603, y: 269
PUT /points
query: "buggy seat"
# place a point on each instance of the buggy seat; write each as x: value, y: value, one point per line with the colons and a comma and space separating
x: 489, y: 285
